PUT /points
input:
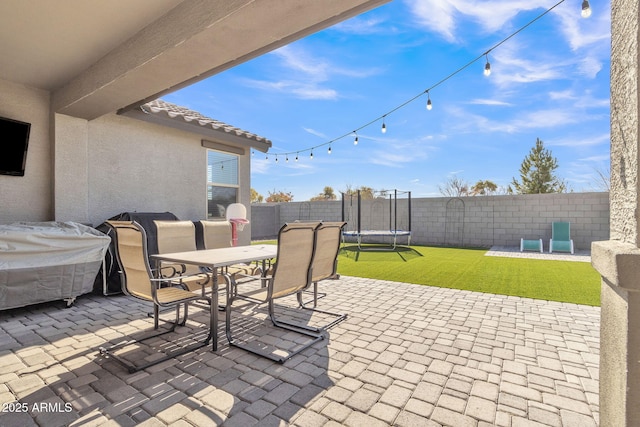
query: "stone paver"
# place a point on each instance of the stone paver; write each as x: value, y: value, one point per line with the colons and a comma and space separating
x: 407, y: 355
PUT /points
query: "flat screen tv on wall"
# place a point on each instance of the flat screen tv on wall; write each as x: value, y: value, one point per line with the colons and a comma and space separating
x: 14, y: 141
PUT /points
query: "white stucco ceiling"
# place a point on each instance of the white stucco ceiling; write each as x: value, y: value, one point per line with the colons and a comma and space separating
x: 45, y: 43
x: 100, y: 56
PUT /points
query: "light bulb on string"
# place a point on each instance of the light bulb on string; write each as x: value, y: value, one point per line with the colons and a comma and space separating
x: 329, y: 150
x: 586, y: 9
x: 286, y: 158
x: 487, y: 66
x: 586, y: 12
x: 276, y: 158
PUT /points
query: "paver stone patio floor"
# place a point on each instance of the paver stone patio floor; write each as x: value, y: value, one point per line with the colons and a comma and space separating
x: 407, y: 355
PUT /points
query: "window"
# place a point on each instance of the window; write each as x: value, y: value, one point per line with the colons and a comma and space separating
x: 222, y: 182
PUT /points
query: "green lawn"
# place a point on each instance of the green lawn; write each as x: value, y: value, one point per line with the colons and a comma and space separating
x: 469, y: 269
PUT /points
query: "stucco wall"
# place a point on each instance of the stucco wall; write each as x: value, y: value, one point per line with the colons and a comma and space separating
x: 28, y: 197
x: 136, y: 166
x: 467, y: 221
x: 143, y: 167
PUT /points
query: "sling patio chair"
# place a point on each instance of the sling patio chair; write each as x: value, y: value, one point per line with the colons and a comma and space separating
x: 325, y: 265
x: 141, y: 282
x: 290, y: 275
x: 561, y: 237
x: 180, y: 236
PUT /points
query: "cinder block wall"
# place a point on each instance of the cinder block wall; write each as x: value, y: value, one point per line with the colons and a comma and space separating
x: 480, y: 221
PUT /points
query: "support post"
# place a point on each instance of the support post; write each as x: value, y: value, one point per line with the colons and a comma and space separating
x: 409, y: 207
x: 359, y: 211
x: 618, y: 260
x: 395, y: 210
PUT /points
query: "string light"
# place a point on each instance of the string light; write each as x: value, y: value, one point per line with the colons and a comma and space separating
x: 586, y: 12
x: 487, y: 67
x: 286, y: 158
x: 586, y: 9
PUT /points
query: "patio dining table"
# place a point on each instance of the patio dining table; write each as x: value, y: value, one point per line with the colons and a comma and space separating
x: 215, y: 259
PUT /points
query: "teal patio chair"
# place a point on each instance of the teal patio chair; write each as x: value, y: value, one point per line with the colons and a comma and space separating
x: 560, y: 237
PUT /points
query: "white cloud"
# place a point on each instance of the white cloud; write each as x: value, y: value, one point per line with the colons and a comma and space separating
x: 443, y: 16
x: 398, y: 153
x: 582, y: 142
x: 598, y: 159
x: 435, y: 15
x: 363, y: 26
x: 260, y: 166
x: 489, y: 102
x: 305, y: 76
x: 315, y: 133
x: 540, y: 119
x: 581, y: 32
x: 511, y: 68
x: 297, y: 59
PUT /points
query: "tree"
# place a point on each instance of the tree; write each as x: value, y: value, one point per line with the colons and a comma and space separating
x: 256, y: 197
x: 366, y: 193
x: 603, y: 179
x: 327, y: 194
x: 537, y: 173
x: 484, y: 188
x: 278, y: 197
x: 454, y: 187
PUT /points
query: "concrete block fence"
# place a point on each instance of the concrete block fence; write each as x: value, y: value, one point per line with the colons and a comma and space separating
x: 480, y: 221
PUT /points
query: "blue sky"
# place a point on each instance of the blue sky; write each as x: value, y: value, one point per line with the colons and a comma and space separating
x: 550, y: 81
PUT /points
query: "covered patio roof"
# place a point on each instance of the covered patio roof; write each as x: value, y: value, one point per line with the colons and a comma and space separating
x: 97, y: 57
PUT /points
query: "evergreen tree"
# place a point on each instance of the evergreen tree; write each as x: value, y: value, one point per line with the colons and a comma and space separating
x: 537, y: 173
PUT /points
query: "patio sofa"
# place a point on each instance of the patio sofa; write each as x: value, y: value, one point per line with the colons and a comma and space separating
x: 48, y: 261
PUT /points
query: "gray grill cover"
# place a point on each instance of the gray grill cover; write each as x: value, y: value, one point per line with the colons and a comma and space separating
x: 48, y: 261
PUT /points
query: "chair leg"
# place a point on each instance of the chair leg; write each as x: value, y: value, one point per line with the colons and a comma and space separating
x: 109, y: 352
x: 276, y: 358
x: 156, y: 316
x: 339, y: 317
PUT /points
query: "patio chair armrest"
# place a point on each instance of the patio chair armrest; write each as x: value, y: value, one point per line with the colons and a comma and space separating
x: 171, y: 269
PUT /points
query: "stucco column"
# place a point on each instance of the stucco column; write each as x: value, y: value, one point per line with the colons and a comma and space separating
x: 618, y: 260
x: 71, y: 175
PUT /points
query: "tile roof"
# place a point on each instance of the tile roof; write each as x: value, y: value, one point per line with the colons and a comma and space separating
x: 176, y: 112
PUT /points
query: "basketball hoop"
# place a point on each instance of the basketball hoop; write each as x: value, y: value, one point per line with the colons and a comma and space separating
x: 237, y: 215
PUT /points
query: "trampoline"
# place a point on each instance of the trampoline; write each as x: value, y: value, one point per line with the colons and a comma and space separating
x: 372, y: 229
